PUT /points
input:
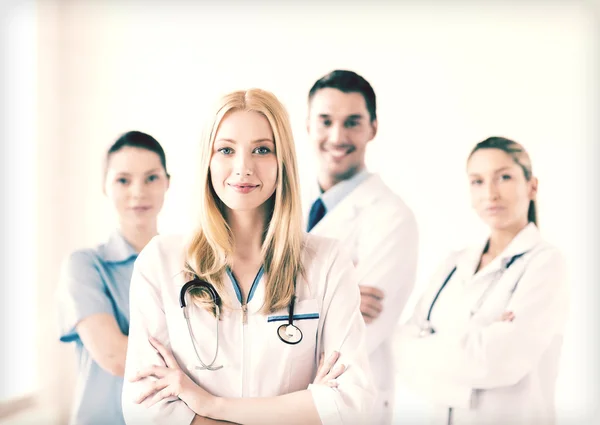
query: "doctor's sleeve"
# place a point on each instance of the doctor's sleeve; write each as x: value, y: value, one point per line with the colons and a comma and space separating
x: 343, y: 330
x: 501, y: 353
x: 81, y: 293
x: 147, y: 318
x: 387, y: 259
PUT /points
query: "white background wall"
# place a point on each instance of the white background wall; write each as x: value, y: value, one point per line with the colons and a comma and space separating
x: 447, y: 75
x: 18, y: 178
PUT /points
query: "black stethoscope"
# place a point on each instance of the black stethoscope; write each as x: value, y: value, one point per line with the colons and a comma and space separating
x: 197, y: 283
x: 427, y: 329
x: 287, y: 333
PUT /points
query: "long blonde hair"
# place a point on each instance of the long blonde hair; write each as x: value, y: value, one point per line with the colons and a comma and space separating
x: 211, y: 248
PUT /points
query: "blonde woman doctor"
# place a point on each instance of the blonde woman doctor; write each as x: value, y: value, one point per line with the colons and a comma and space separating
x: 485, y: 339
x: 262, y: 299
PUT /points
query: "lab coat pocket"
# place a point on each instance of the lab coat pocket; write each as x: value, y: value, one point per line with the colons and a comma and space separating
x: 299, y: 352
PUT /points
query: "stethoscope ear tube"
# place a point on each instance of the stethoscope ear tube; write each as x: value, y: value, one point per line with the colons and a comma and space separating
x: 201, y: 284
x: 438, y: 293
x: 217, y: 301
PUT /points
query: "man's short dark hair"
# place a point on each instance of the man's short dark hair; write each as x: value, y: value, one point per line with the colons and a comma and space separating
x: 347, y: 82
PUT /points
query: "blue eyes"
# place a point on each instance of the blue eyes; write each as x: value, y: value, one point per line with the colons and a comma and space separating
x: 226, y: 151
x: 261, y: 150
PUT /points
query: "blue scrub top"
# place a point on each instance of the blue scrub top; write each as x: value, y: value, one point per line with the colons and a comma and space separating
x: 96, y: 281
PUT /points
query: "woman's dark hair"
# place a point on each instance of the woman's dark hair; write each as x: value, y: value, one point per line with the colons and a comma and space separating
x: 521, y: 158
x: 137, y: 139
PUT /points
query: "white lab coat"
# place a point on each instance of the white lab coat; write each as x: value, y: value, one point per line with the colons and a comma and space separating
x: 256, y: 363
x: 381, y: 233
x: 488, y: 371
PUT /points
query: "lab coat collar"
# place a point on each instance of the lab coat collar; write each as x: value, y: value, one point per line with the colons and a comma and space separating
x: 117, y: 249
x: 257, y: 286
x: 523, y: 242
x: 363, y: 195
x: 340, y: 191
x: 368, y: 191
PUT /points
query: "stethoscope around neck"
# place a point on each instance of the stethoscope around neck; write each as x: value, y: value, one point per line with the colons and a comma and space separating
x: 427, y: 329
x: 287, y: 333
x: 197, y: 283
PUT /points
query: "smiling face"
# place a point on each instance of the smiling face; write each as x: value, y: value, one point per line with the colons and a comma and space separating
x: 500, y: 191
x: 340, y: 127
x: 136, y: 183
x: 243, y: 165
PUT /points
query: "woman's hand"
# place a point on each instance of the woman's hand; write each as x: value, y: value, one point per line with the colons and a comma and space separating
x: 172, y: 382
x: 328, y: 370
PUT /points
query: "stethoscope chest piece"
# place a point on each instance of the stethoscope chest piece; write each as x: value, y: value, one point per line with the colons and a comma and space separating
x: 426, y: 330
x: 290, y: 334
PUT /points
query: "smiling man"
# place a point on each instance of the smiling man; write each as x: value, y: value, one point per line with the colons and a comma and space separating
x: 355, y: 206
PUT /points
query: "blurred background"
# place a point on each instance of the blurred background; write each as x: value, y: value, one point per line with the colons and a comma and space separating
x: 74, y: 75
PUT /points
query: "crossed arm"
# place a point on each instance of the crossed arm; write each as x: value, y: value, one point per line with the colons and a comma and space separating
x: 498, y: 354
x: 104, y: 340
x: 172, y: 381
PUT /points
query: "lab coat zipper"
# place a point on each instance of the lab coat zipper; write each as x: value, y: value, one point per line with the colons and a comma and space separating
x: 245, y: 365
x: 245, y: 336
